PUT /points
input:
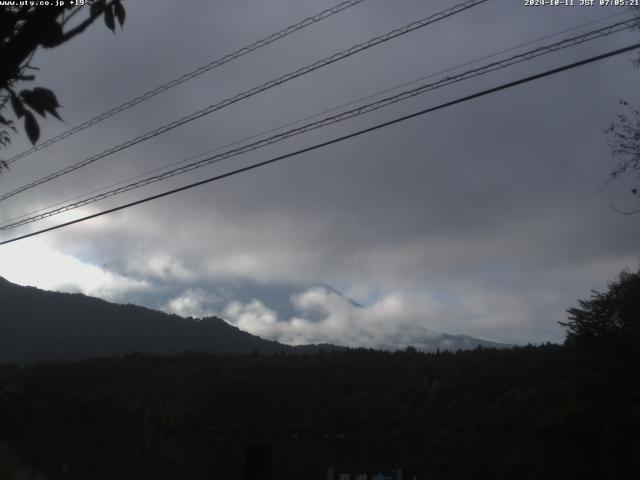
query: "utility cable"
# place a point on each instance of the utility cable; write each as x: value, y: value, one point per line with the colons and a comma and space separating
x: 370, y: 107
x: 333, y: 141
x: 188, y: 76
x: 254, y: 91
x: 315, y: 115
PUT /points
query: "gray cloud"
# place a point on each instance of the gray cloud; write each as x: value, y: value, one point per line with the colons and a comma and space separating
x: 488, y: 210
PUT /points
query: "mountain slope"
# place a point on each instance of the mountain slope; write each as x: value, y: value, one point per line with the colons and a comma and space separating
x: 37, y: 325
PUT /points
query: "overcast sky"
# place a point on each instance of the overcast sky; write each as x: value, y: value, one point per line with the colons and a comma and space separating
x: 482, y: 219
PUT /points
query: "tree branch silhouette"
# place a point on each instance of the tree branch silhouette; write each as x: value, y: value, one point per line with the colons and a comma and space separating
x: 24, y: 29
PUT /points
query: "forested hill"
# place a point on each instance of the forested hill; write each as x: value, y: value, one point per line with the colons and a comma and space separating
x: 523, y: 413
x: 36, y: 325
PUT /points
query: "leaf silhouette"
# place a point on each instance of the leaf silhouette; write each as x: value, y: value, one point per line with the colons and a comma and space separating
x: 31, y: 126
x: 109, y: 20
x: 94, y: 10
x: 120, y: 12
x: 41, y: 100
x: 17, y: 106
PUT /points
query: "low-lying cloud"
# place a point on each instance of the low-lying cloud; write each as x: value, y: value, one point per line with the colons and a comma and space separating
x: 36, y: 263
x: 395, y: 321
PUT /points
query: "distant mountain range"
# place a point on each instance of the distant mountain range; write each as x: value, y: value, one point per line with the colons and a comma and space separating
x: 38, y: 325
x: 433, y: 342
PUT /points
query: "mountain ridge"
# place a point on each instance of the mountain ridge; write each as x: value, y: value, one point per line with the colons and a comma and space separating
x: 39, y: 325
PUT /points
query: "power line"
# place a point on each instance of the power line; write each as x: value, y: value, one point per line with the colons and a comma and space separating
x: 254, y: 91
x: 188, y: 76
x: 337, y: 118
x: 315, y: 115
x: 335, y: 140
x: 370, y: 107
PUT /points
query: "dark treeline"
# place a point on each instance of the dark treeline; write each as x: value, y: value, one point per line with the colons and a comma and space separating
x: 534, y: 411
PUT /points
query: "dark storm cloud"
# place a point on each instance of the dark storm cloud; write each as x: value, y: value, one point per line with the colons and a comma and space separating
x: 491, y: 205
